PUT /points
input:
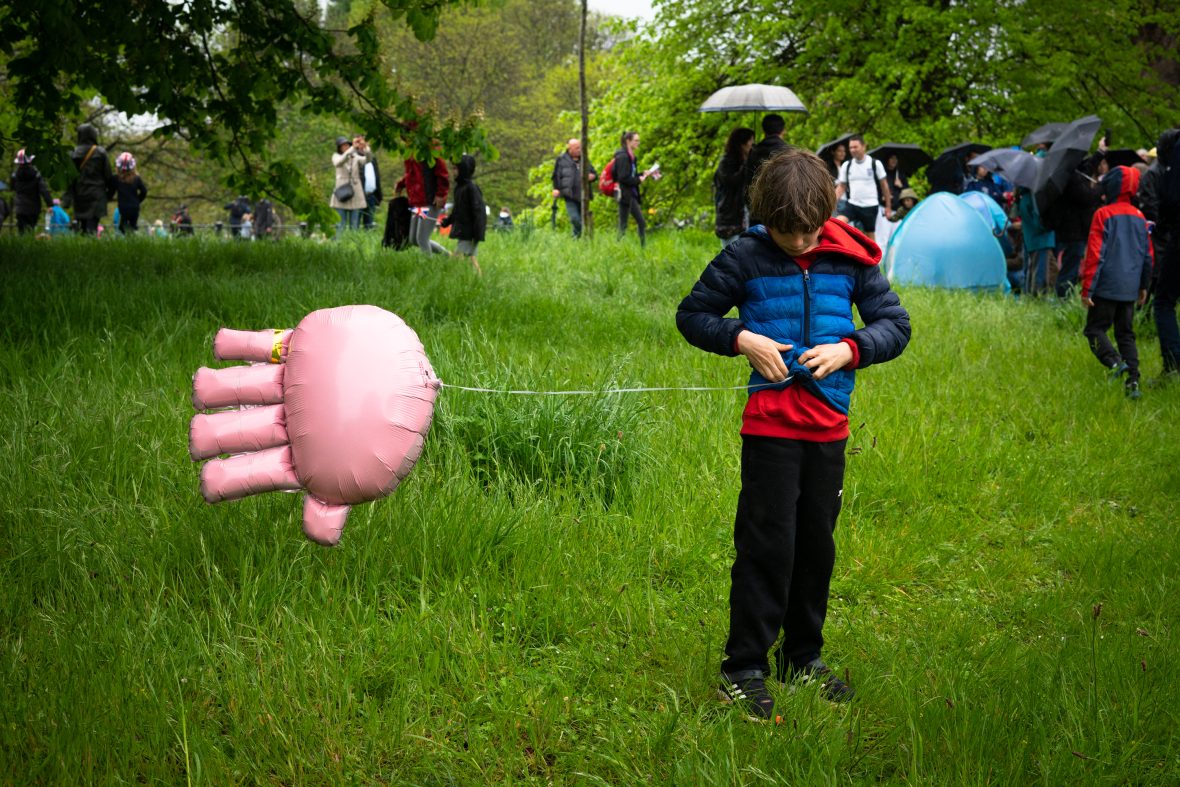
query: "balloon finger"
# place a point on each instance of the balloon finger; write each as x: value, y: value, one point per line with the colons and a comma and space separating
x: 257, y: 346
x: 248, y: 474
x: 236, y: 431
x: 237, y: 385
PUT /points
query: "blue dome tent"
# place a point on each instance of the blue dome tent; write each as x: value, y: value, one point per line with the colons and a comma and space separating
x: 945, y: 242
x: 993, y: 215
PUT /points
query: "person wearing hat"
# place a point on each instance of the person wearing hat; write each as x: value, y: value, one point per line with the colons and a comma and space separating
x: 907, y: 198
x: 29, y: 188
x: 59, y: 220
x: 348, y: 196
x: 94, y: 185
x: 131, y: 192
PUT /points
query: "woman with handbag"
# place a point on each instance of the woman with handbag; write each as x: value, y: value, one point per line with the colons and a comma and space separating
x: 348, y: 197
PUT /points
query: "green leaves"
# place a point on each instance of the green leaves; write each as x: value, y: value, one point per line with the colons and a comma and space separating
x: 934, y: 72
x: 216, y: 73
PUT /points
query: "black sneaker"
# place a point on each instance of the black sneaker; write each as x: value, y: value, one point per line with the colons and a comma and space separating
x: 816, y: 672
x: 1118, y: 370
x: 748, y: 691
x: 1133, y: 391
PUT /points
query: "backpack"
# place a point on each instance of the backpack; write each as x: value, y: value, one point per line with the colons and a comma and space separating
x: 606, y: 183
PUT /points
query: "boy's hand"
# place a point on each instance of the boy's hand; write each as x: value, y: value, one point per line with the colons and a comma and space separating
x: 1142, y: 298
x: 823, y: 359
x: 764, y: 354
x: 1087, y: 302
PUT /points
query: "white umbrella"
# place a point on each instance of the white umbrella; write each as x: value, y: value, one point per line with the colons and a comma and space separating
x: 753, y: 98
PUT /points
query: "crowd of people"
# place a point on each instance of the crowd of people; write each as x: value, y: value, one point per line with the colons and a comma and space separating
x: 1112, y: 237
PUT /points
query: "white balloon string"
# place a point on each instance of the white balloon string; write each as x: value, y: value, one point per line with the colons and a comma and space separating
x: 614, y: 390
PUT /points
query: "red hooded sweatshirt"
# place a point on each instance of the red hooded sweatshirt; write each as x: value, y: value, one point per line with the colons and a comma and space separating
x: 1118, y: 260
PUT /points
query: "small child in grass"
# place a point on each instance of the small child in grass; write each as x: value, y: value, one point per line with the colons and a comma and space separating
x: 794, y: 282
x: 469, y: 216
x: 1115, y: 274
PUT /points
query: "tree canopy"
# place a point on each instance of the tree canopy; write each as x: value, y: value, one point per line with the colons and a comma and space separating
x: 217, y: 74
x: 935, y: 72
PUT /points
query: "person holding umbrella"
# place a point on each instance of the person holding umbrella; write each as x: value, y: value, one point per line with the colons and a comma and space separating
x: 772, y: 144
x: 1068, y: 197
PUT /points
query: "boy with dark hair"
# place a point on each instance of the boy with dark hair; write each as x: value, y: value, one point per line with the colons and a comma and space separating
x: 794, y: 282
x: 1115, y: 274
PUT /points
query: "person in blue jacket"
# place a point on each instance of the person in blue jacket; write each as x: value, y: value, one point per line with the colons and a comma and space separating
x: 794, y: 281
x: 59, y: 220
x: 1039, y: 242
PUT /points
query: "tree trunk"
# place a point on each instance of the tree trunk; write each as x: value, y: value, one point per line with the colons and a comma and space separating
x: 587, y: 230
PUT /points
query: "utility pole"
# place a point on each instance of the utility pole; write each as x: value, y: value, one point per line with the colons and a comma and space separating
x: 587, y: 229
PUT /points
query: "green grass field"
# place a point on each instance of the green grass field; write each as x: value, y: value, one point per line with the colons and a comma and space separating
x: 545, y: 598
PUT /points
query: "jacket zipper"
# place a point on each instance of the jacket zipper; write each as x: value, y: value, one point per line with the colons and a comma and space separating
x: 806, y: 308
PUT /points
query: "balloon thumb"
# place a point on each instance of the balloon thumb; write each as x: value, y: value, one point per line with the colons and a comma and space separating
x: 323, y: 522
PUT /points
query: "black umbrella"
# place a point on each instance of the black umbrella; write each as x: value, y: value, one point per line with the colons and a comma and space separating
x: 947, y: 173
x: 1070, y: 149
x: 964, y: 149
x: 1047, y: 133
x: 910, y: 158
x: 1122, y: 157
x: 825, y: 150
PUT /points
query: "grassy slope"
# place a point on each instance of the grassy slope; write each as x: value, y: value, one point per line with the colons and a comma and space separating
x: 545, y: 597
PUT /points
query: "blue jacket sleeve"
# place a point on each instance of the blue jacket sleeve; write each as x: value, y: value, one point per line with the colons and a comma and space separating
x: 887, y: 323
x: 701, y: 317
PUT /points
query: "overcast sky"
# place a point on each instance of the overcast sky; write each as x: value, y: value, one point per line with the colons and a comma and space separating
x: 641, y: 8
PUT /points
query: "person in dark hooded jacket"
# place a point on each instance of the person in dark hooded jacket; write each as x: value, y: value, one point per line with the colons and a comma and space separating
x: 29, y: 189
x: 468, y: 219
x: 1165, y: 211
x: 131, y: 192
x: 94, y: 186
x: 1114, y: 275
x: 772, y: 144
x: 265, y: 220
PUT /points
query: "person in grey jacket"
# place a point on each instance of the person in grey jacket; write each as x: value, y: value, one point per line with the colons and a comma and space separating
x: 567, y: 182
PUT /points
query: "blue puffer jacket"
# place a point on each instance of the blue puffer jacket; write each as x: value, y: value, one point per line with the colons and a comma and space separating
x: 777, y: 298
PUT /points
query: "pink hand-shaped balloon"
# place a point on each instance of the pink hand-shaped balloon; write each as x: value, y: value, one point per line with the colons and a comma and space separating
x: 339, y: 407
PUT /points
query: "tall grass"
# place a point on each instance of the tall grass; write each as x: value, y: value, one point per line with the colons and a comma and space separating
x: 544, y: 598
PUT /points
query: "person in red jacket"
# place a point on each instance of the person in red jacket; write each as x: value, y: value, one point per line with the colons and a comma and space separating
x: 426, y: 189
x: 1115, y: 274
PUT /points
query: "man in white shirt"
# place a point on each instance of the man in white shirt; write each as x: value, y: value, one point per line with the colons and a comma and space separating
x: 863, y: 179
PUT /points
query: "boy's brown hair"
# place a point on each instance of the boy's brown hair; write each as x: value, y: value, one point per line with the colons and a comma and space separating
x: 793, y: 192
